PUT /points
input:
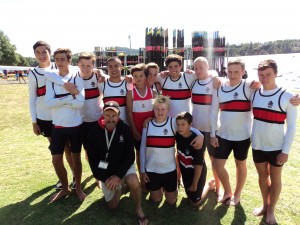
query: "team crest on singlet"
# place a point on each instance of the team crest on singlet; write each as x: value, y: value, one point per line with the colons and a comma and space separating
x: 165, y: 131
x: 235, y: 95
x: 93, y: 84
x: 143, y: 106
x: 122, y: 92
x: 180, y: 85
x: 121, y: 138
x: 207, y: 89
x: 270, y: 104
x: 187, y: 151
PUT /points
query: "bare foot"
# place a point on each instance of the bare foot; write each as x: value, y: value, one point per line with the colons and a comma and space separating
x: 59, y: 195
x: 259, y: 211
x: 219, y: 192
x: 224, y: 199
x: 80, y: 194
x: 270, y: 218
x: 234, y: 201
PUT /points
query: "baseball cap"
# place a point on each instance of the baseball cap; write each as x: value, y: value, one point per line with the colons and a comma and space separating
x: 111, y: 105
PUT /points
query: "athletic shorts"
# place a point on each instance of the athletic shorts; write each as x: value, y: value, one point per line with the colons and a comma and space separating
x: 196, y: 196
x: 86, y: 126
x: 45, y: 127
x: 166, y: 180
x: 206, y: 143
x: 59, y: 137
x: 240, y: 149
x: 108, y: 194
x: 260, y: 156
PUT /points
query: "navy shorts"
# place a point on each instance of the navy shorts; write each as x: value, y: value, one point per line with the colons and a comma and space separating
x: 166, y: 180
x: 85, y: 127
x: 240, y: 149
x: 61, y: 135
x: 45, y: 127
x: 260, y: 156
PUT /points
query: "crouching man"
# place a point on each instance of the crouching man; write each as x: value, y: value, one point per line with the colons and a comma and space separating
x: 111, y: 157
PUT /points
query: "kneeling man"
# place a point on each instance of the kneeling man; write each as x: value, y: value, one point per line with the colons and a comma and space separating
x: 111, y: 157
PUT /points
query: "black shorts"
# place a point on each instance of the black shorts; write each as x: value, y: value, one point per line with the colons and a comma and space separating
x: 206, y: 143
x: 59, y: 137
x: 166, y: 180
x: 196, y: 196
x: 260, y: 156
x: 45, y: 127
x: 85, y: 129
x: 240, y: 149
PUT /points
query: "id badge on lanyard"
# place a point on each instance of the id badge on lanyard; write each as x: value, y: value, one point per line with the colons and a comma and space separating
x: 103, y: 164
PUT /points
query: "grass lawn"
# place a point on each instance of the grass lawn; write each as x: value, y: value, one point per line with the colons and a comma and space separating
x: 27, y: 179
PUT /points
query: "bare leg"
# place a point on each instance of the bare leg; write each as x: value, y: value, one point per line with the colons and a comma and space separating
x: 241, y: 175
x: 77, y: 165
x: 208, y: 187
x: 171, y: 197
x: 264, y: 185
x: 61, y: 172
x: 114, y: 203
x: 216, y: 178
x: 68, y: 156
x: 275, y: 189
x: 156, y: 196
x: 219, y: 165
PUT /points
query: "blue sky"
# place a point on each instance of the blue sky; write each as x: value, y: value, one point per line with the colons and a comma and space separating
x: 84, y: 25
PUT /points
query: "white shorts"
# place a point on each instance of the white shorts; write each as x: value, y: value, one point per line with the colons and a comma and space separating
x: 108, y: 194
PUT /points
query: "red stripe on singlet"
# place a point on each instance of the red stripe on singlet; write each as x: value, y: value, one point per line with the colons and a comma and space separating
x: 201, y: 99
x: 177, y: 94
x: 160, y: 142
x: 92, y: 93
x: 239, y: 106
x: 121, y: 100
x: 269, y: 115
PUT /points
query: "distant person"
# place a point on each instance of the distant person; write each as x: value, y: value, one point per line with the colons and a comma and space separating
x: 274, y: 129
x: 5, y: 74
x: 191, y: 162
x: 21, y: 76
x: 110, y: 151
x: 223, y: 72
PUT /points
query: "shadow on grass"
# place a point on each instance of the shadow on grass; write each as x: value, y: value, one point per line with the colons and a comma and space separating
x: 37, y: 209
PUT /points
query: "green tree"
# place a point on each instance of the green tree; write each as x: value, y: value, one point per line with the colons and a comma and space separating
x: 8, y: 55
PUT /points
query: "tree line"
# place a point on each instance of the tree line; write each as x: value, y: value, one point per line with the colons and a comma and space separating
x: 9, y: 56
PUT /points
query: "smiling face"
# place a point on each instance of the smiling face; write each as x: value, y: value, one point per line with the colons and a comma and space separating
x: 139, y: 78
x: 161, y: 111
x: 174, y: 69
x: 42, y: 55
x: 267, y: 78
x: 201, y: 69
x: 114, y: 70
x: 235, y: 73
x: 111, y: 119
x: 62, y: 62
x: 152, y: 75
x: 86, y: 67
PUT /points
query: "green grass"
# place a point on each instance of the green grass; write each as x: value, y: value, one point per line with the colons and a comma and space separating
x: 27, y: 178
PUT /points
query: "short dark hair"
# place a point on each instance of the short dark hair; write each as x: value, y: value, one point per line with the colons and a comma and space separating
x: 42, y: 43
x: 185, y: 116
x: 173, y: 58
x: 137, y: 67
x: 268, y: 63
x: 64, y: 50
